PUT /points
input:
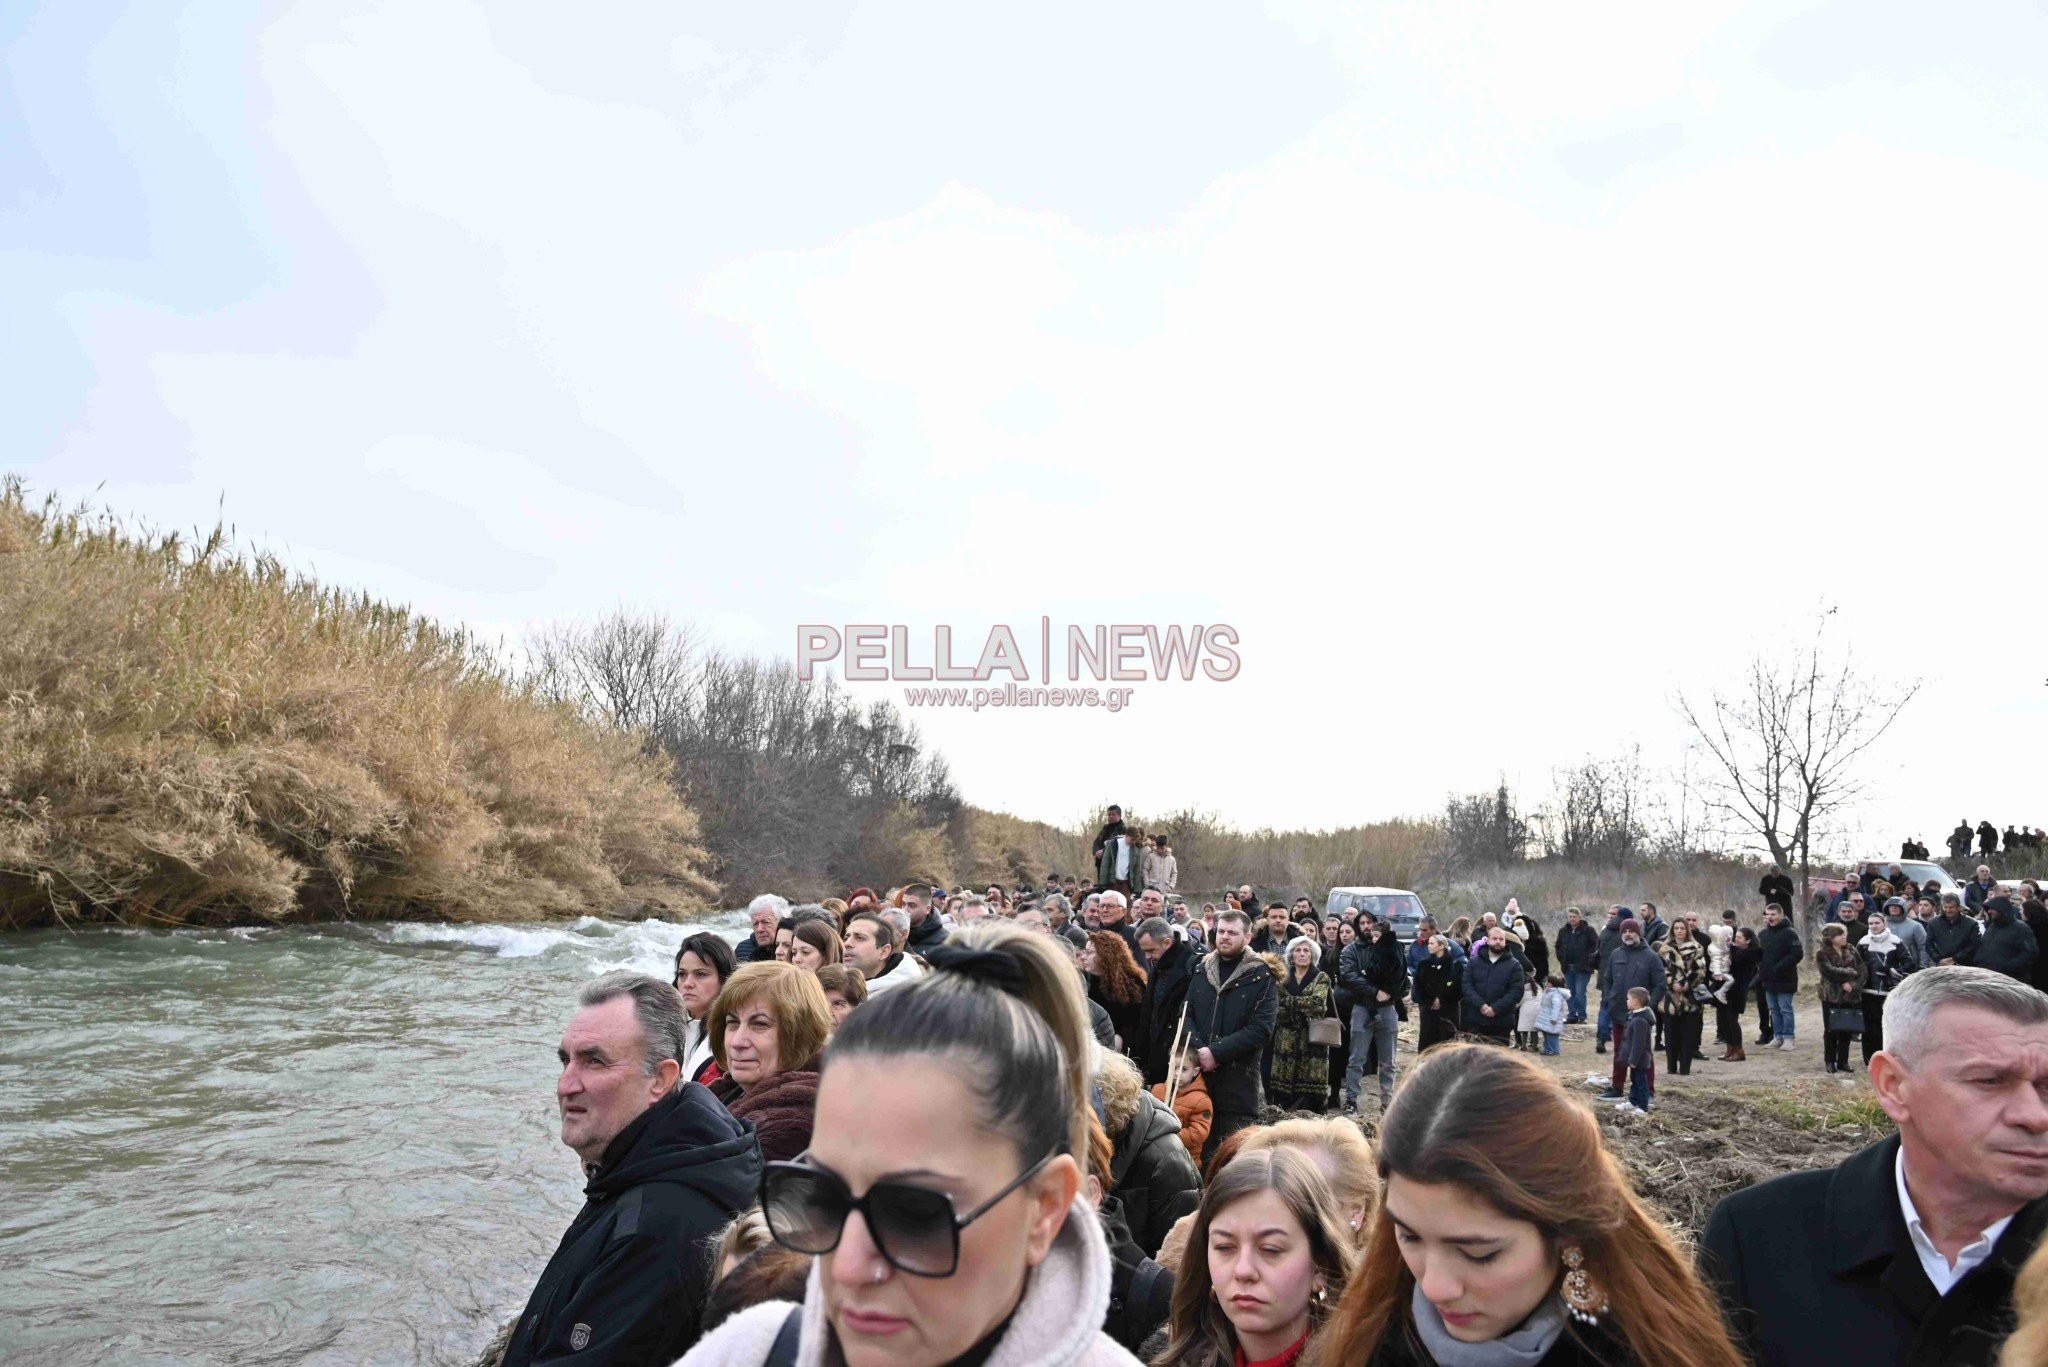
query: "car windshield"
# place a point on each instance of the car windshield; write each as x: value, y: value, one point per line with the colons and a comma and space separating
x: 1914, y: 869
x: 1397, y: 907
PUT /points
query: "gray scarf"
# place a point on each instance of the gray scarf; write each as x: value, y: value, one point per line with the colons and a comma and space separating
x: 1524, y: 1347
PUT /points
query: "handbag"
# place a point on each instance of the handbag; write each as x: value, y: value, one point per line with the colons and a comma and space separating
x: 1842, y: 1019
x: 1704, y: 995
x: 1326, y: 1030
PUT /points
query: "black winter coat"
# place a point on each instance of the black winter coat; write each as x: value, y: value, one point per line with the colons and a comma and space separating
x: 1124, y: 1017
x: 1140, y: 1290
x: 1610, y: 940
x: 1233, y: 1019
x: 626, y: 1283
x: 1578, y: 948
x: 926, y: 933
x: 2036, y: 917
x: 1777, y: 888
x: 1955, y: 939
x: 1152, y: 1174
x: 1537, y: 950
x: 1440, y: 980
x: 1779, y: 971
x: 1744, y: 963
x: 1369, y: 967
x: 2008, y: 945
x: 1342, y: 998
x: 1496, y: 983
x: 1166, y: 991
x: 1817, y: 1267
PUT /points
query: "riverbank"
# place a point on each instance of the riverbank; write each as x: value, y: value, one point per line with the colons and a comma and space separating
x: 325, y: 1144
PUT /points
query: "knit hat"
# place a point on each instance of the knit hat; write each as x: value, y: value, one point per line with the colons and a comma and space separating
x: 1898, y: 902
x: 1631, y: 924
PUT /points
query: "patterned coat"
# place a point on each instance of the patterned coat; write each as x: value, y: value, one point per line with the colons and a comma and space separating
x: 1301, y: 1068
x: 1685, y: 967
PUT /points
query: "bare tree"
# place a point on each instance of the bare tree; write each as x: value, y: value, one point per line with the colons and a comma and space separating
x: 1598, y: 813
x: 1783, y: 751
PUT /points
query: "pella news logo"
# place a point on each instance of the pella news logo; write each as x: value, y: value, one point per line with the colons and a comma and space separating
x: 1123, y: 653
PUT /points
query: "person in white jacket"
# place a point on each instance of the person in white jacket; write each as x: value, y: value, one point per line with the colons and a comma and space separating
x: 875, y: 947
x: 703, y: 963
x: 948, y: 1118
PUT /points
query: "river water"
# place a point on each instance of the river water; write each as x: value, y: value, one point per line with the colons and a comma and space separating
x: 323, y: 1144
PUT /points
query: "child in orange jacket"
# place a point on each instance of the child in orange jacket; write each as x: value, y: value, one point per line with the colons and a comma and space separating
x: 1192, y: 1105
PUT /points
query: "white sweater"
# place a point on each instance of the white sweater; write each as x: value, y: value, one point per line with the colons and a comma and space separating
x: 1057, y: 1324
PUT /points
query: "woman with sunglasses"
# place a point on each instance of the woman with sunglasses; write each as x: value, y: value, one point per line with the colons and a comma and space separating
x: 767, y: 1028
x: 1267, y: 1258
x: 939, y: 1192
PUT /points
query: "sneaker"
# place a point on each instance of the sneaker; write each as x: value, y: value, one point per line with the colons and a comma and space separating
x: 1640, y: 1111
x: 1611, y: 1095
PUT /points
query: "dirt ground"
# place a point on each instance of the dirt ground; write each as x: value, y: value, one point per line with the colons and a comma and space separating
x: 1725, y: 1126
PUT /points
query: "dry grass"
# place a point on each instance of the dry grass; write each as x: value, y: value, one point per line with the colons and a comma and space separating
x: 188, y: 735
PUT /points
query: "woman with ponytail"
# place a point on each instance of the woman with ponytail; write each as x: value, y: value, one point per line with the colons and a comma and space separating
x: 938, y: 1198
x: 1507, y: 1237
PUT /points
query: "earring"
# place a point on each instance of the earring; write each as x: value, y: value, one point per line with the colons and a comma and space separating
x: 1581, y: 1297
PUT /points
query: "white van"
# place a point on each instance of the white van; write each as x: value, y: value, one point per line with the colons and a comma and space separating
x: 1401, y: 907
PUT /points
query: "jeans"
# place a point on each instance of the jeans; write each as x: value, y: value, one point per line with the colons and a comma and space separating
x: 1764, y: 1033
x: 1575, y: 983
x: 1377, y: 1023
x: 1552, y: 1042
x: 1639, y: 1088
x: 1781, y: 1014
x: 1606, y: 1023
x: 1622, y: 1070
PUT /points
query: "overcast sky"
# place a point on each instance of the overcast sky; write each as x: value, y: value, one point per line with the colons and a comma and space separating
x: 1495, y: 372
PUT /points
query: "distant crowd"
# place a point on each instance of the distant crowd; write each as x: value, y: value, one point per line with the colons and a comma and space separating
x: 2020, y: 840
x: 936, y: 1126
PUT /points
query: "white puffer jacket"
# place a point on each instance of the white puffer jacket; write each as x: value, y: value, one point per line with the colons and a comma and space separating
x: 1717, y: 948
x: 1057, y: 1324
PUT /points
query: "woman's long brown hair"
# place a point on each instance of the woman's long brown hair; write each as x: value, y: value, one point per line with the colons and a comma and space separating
x: 1122, y: 980
x: 1499, y: 1126
x: 1198, y: 1333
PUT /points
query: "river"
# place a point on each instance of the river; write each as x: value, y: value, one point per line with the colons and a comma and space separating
x: 320, y: 1144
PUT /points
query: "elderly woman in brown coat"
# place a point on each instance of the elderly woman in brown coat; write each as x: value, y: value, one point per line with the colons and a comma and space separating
x: 768, y: 1027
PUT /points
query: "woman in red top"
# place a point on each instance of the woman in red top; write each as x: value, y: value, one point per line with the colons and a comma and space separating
x: 1278, y: 1256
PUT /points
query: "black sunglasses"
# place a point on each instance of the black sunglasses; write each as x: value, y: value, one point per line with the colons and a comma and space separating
x: 915, y: 1228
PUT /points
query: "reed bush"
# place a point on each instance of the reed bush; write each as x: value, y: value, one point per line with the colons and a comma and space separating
x: 193, y: 735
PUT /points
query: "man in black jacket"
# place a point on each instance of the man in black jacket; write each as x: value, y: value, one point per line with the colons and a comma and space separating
x: 1493, y: 988
x: 1776, y: 886
x: 1232, y: 1004
x: 665, y: 1166
x: 1906, y: 1253
x: 927, y: 928
x: 1778, y: 974
x: 2008, y: 945
x: 1375, y: 972
x: 766, y: 913
x: 1169, y: 968
x: 1613, y: 1010
x: 1952, y: 937
x: 1578, y: 958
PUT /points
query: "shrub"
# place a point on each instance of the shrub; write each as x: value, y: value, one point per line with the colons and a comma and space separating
x: 189, y: 735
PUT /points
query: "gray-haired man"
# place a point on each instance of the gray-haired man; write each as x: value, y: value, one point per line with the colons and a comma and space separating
x: 1907, y: 1251
x: 665, y: 1167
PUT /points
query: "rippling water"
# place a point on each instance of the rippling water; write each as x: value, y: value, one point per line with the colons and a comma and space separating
x: 317, y: 1144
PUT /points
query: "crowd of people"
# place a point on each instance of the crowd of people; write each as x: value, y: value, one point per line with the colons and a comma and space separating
x: 2015, y: 840
x: 1045, y: 1110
